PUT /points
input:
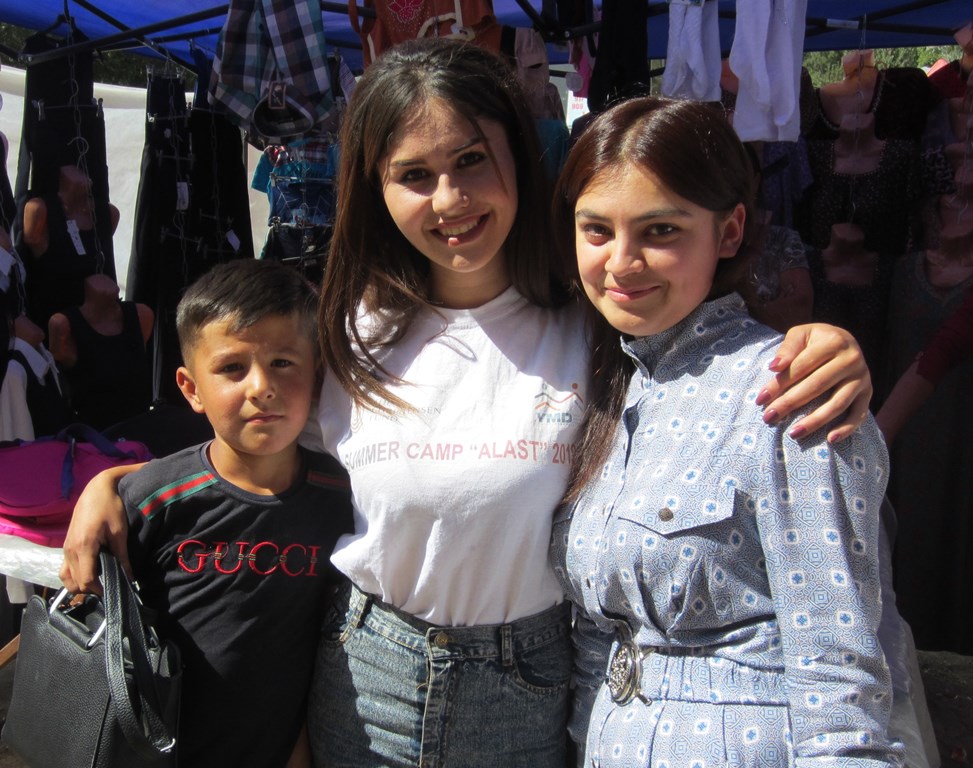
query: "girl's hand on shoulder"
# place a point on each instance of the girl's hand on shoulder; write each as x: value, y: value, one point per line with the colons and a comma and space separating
x: 814, y: 360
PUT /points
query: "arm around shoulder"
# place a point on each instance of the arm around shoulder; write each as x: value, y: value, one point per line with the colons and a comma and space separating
x: 98, y: 521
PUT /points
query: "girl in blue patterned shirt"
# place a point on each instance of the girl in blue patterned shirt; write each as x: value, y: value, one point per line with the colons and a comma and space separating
x: 726, y: 575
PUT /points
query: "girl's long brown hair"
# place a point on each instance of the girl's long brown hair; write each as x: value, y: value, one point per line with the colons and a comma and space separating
x: 691, y: 148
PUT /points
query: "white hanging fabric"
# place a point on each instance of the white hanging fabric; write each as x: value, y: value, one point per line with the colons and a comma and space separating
x: 693, y: 61
x: 768, y: 48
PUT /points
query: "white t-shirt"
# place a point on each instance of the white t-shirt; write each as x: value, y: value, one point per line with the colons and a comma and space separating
x: 454, y: 502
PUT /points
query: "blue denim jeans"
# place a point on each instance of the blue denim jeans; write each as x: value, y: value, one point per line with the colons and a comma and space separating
x: 392, y: 690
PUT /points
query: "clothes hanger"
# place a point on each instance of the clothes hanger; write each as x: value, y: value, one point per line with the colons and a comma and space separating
x: 62, y: 19
x: 862, y: 48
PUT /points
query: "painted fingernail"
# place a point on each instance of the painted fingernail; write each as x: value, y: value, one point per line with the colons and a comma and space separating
x: 797, y: 431
x: 770, y: 416
x: 763, y: 398
x: 774, y: 363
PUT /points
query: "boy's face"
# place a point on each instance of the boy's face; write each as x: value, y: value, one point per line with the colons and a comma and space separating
x: 255, y: 386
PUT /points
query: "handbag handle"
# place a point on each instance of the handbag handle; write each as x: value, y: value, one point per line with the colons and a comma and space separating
x: 70, y: 435
x: 121, y: 614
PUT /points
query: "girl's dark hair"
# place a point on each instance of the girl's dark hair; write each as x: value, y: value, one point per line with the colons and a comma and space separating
x: 691, y: 149
x: 371, y: 266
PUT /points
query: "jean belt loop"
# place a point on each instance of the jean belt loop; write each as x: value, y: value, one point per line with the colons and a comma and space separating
x: 359, y: 607
x: 507, y: 645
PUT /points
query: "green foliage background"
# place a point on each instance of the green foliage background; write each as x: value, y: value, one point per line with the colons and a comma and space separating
x: 825, y: 66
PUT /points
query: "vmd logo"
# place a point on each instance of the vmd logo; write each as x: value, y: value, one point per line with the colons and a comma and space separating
x: 554, y: 407
x: 560, y: 418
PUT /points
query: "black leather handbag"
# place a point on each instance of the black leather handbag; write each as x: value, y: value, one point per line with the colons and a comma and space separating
x: 94, y: 685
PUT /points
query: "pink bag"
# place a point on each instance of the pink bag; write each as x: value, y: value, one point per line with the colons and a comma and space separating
x: 40, y: 480
x: 51, y: 535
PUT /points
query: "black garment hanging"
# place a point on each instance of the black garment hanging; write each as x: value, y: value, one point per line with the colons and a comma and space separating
x: 11, y: 300
x: 62, y: 125
x: 6, y: 319
x: 219, y: 178
x: 55, y: 281
x: 192, y: 212
x: 163, y: 201
x: 623, y: 44
x: 110, y: 381
x: 8, y: 207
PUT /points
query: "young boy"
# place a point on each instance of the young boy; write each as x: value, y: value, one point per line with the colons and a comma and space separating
x: 230, y: 540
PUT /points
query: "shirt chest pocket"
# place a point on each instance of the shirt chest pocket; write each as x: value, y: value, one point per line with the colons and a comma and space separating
x: 671, y: 515
x: 687, y: 547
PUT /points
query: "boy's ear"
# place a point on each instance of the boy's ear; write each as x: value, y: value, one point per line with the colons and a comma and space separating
x: 187, y: 385
x: 731, y: 232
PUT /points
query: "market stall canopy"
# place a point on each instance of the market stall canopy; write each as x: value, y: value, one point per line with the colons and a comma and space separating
x: 172, y: 28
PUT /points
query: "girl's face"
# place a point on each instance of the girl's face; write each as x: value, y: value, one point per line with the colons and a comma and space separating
x: 647, y: 256
x: 453, y: 202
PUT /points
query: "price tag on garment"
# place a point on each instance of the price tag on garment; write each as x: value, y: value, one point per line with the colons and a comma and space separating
x: 75, y: 234
x: 182, y: 195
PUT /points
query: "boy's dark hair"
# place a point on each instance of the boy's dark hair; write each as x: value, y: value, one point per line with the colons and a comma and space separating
x: 244, y: 292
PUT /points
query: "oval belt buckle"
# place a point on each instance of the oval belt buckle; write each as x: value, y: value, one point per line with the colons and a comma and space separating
x: 625, y: 672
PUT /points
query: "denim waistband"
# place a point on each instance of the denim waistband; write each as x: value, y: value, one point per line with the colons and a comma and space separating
x: 445, y: 642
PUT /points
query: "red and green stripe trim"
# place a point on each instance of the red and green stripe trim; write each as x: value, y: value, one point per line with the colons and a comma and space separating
x: 325, y: 480
x: 180, y: 489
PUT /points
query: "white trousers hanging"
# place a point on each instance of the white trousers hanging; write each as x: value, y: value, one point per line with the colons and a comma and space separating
x: 693, y: 63
x: 768, y: 48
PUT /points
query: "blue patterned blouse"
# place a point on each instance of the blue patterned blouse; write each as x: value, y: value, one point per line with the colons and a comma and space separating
x: 744, y: 564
